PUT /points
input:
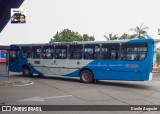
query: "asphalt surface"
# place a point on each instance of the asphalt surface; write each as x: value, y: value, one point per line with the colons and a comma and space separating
x: 19, y: 90
x: 3, y: 68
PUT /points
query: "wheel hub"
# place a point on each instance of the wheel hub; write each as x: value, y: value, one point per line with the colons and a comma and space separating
x: 85, y: 77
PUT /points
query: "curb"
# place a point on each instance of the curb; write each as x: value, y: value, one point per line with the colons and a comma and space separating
x: 15, y: 83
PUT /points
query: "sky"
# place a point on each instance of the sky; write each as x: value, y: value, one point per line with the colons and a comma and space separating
x: 93, y: 17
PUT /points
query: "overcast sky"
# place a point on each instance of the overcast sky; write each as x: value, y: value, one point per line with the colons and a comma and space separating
x: 93, y: 17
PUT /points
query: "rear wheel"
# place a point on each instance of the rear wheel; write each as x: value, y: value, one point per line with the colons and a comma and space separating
x: 26, y: 71
x: 40, y: 75
x: 86, y: 76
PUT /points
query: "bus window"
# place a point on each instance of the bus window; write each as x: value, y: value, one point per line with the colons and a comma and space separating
x: 25, y: 52
x: 134, y: 51
x: 48, y: 52
x: 36, y: 52
x: 92, y: 51
x: 75, y: 52
x: 13, y: 55
x: 110, y: 51
x: 61, y: 52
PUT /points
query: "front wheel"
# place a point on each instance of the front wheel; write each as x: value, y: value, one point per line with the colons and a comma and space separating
x: 86, y: 76
x: 26, y: 71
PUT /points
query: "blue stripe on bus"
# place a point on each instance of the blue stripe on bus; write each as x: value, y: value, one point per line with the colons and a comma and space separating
x: 110, y: 71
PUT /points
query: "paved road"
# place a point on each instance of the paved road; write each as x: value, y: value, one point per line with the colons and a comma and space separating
x: 3, y: 68
x: 18, y: 90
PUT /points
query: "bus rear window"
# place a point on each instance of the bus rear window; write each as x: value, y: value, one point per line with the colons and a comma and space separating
x: 134, y: 51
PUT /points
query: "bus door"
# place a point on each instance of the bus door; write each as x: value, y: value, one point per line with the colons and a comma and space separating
x: 133, y: 55
x: 13, y: 59
x: 4, y: 72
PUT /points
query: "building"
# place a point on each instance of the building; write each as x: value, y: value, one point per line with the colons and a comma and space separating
x: 3, y: 55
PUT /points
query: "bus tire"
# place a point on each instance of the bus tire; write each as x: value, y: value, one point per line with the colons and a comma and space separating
x: 26, y: 71
x: 40, y: 75
x: 86, y: 76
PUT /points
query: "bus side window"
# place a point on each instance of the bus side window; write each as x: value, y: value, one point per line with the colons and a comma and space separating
x: 104, y: 53
x: 113, y: 54
x: 13, y: 55
x: 61, y: 52
x: 36, y: 52
x: 25, y: 52
x: 97, y: 52
x: 88, y: 53
x: 75, y: 52
x: 110, y: 51
x: 134, y: 51
x: 48, y: 52
x: 92, y: 51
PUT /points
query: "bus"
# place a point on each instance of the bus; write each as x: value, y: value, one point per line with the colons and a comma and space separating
x: 129, y: 60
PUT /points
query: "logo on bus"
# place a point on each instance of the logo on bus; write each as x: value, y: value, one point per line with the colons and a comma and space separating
x: 131, y: 65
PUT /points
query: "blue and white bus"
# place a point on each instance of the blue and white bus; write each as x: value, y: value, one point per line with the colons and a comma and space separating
x: 89, y: 60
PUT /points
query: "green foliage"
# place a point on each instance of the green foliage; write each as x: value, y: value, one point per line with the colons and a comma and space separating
x: 156, y: 41
x: 156, y: 50
x: 125, y: 36
x: 87, y: 38
x: 67, y: 35
x: 158, y: 31
x: 158, y: 59
x: 140, y: 32
x: 111, y: 36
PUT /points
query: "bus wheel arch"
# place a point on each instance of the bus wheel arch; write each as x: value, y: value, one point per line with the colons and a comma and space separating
x: 26, y: 71
x: 86, y: 75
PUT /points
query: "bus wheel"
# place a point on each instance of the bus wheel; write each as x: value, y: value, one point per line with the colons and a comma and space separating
x: 40, y: 75
x: 86, y: 76
x: 26, y: 71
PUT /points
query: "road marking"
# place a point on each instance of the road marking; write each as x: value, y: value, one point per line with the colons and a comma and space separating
x: 43, y: 98
x: 25, y: 84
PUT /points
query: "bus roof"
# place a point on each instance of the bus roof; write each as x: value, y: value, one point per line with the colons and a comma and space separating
x: 88, y: 42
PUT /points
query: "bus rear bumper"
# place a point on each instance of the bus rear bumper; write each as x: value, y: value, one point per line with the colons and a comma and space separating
x: 150, y: 76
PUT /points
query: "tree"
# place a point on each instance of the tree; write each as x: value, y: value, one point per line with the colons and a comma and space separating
x: 111, y: 36
x: 85, y: 37
x: 67, y: 35
x: 125, y: 36
x: 158, y: 31
x: 116, y: 37
x: 140, y: 31
x: 156, y: 49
